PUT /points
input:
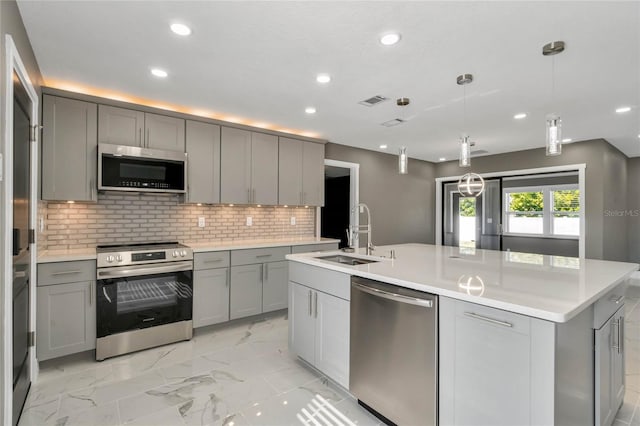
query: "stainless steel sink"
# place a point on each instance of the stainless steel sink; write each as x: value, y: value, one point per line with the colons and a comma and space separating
x: 347, y: 260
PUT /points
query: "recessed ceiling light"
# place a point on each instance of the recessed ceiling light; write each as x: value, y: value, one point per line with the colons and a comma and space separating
x: 181, y: 29
x: 158, y: 72
x: 390, y: 39
x: 323, y: 78
x: 520, y: 116
x: 310, y: 110
x: 566, y: 140
x: 441, y: 159
x: 622, y: 110
x: 383, y: 147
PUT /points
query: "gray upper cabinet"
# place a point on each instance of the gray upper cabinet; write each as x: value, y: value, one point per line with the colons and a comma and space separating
x: 122, y: 126
x: 313, y: 174
x: 203, y: 161
x: 235, y: 166
x: 69, y: 149
x: 249, y: 167
x: 163, y: 132
x: 264, y: 169
x: 301, y: 173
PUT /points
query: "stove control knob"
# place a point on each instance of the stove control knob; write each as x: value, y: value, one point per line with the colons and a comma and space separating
x: 183, y: 253
x: 119, y: 258
x: 110, y: 258
x: 175, y: 253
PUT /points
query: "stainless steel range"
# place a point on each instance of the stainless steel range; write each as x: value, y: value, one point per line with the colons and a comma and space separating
x: 144, y: 297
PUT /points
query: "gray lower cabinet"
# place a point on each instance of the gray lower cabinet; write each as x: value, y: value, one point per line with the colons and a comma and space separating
x: 258, y: 280
x: 69, y: 149
x: 301, y: 172
x: 609, y: 369
x: 274, y: 286
x: 319, y: 330
x: 249, y: 167
x: 210, y: 296
x: 246, y: 291
x: 203, y: 162
x: 66, y: 319
x: 122, y: 126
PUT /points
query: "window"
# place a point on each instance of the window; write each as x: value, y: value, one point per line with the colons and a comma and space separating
x: 543, y: 211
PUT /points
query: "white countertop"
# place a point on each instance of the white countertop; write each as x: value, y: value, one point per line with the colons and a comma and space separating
x: 249, y: 244
x: 552, y: 288
x: 47, y: 256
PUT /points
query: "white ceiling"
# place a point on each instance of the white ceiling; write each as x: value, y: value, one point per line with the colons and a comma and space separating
x: 258, y: 61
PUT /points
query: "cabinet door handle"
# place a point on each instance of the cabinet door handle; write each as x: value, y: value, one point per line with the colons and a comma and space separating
x: 90, y: 294
x: 315, y: 304
x: 148, y: 137
x: 618, y: 324
x: 260, y: 256
x: 266, y: 271
x: 253, y: 195
x: 228, y: 277
x: 263, y: 268
x: 213, y: 261
x: 304, y: 198
x: 91, y: 189
x: 249, y: 195
x: 309, y: 302
x: 300, y: 198
x: 140, y: 136
x: 487, y: 319
x: 65, y: 273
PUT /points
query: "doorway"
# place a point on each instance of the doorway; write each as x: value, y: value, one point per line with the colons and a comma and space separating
x: 340, y: 196
x: 19, y: 188
x: 20, y: 244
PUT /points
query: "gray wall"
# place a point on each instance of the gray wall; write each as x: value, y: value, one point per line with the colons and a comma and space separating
x: 633, y: 209
x: 605, y: 167
x: 11, y: 23
x: 402, y: 206
x: 615, y: 235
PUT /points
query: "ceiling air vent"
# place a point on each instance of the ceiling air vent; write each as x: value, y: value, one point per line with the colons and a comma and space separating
x: 373, y: 101
x: 393, y: 122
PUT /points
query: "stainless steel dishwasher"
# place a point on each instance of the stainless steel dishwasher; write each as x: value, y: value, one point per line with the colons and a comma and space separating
x: 393, y: 367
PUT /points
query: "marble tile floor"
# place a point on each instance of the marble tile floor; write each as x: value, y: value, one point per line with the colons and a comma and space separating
x: 234, y: 375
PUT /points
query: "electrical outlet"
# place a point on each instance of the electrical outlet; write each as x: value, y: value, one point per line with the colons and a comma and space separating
x: 293, y: 220
x: 249, y: 221
x: 201, y: 222
x: 361, y: 209
x: 41, y: 224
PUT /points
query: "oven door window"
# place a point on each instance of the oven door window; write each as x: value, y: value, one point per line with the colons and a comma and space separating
x: 126, y: 304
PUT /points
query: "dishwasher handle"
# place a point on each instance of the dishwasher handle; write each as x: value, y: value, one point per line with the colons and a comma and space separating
x: 426, y: 303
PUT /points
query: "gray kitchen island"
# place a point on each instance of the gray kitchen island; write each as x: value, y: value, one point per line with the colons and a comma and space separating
x: 520, y: 339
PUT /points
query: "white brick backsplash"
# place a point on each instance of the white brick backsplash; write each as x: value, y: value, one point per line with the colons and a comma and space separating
x: 117, y: 218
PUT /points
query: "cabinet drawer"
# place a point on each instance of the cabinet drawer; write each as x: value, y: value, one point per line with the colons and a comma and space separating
x: 330, y: 282
x: 210, y: 260
x: 608, y: 304
x: 307, y: 248
x: 66, y: 272
x: 493, y: 317
x: 259, y: 255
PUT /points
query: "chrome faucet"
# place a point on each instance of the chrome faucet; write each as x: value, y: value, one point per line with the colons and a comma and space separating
x: 355, y: 231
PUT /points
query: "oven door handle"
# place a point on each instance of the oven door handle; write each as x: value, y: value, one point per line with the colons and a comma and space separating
x: 136, y: 271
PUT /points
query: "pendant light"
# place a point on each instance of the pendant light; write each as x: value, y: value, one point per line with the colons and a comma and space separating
x: 553, y: 121
x: 403, y: 160
x: 465, y: 143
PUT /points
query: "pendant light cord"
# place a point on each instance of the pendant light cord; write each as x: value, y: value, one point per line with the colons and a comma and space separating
x: 464, y: 109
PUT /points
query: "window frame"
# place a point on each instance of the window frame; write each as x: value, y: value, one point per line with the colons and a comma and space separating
x: 547, y: 210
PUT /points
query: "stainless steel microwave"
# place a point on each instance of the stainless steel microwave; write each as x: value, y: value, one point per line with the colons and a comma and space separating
x: 131, y: 168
